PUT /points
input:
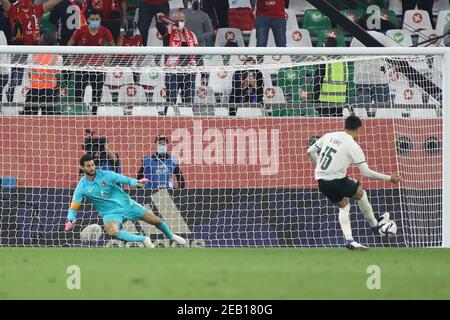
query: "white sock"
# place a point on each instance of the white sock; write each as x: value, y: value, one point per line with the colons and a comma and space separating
x: 344, y: 220
x: 367, y: 210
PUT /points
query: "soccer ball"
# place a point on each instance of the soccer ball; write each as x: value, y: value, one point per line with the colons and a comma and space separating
x: 388, y: 229
x: 92, y: 232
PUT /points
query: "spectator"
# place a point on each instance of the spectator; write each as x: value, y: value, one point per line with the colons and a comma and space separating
x: 331, y: 85
x: 247, y: 86
x: 5, y: 26
x: 44, y: 89
x: 426, y: 5
x: 94, y: 34
x: 177, y: 35
x: 113, y: 13
x: 104, y: 157
x: 270, y: 15
x: 231, y: 43
x: 199, y: 23
x: 147, y: 10
x: 130, y: 37
x: 24, y: 18
x: 160, y: 168
x: 68, y: 16
x: 217, y: 11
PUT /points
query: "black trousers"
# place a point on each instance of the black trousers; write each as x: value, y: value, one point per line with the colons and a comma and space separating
x: 426, y: 5
x: 146, y: 13
x: 95, y: 80
x: 217, y: 11
x: 44, y: 99
x: 114, y: 27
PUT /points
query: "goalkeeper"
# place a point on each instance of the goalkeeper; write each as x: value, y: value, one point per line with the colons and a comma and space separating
x: 113, y: 204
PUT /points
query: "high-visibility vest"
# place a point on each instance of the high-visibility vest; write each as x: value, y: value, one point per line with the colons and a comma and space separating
x: 43, y: 78
x: 335, y: 83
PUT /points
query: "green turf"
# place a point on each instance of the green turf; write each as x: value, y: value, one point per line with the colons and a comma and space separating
x: 178, y: 273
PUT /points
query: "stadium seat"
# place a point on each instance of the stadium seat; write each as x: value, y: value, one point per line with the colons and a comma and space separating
x: 381, y: 37
x: 291, y: 20
x: 145, y: 111
x: 182, y: 111
x: 300, y: 6
x: 87, y: 95
x: 249, y: 112
x: 440, y: 5
x: 106, y: 95
x: 267, y: 78
x: 225, y: 34
x: 237, y: 60
x: 314, y: 21
x: 390, y: 113
x: 408, y: 96
x: 9, y: 111
x: 152, y: 79
x: 298, y: 38
x: 335, y: 33
x: 220, y: 80
x: 110, y: 111
x: 176, y: 4
x: 159, y: 94
x: 429, y: 34
x: 276, y: 62
x: 115, y: 80
x: 353, y: 14
x: 221, y: 112
x: 212, y: 60
x: 396, y: 6
x: 234, y: 4
x: 416, y: 20
x: 204, y: 95
x: 402, y: 37
x: 423, y: 113
x: 442, y: 19
x: 154, y: 39
x: 273, y: 95
x: 133, y: 94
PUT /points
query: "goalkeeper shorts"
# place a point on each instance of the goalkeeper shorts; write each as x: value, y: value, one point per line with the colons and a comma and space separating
x: 134, y: 213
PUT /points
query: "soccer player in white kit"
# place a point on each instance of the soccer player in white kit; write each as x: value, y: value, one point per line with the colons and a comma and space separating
x: 333, y: 154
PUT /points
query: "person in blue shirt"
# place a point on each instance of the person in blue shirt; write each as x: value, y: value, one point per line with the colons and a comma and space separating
x: 160, y: 168
x: 113, y: 204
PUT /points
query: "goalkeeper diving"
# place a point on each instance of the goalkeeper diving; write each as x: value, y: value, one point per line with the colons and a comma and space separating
x: 114, y: 204
x: 337, y: 151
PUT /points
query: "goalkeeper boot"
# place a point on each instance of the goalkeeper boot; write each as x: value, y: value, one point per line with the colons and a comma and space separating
x: 148, y: 243
x: 179, y: 240
x: 353, y: 245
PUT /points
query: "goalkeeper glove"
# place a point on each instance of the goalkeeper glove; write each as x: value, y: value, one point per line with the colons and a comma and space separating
x: 69, y: 225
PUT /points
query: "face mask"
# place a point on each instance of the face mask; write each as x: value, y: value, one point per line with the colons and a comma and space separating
x: 180, y: 25
x: 94, y: 24
x: 162, y: 148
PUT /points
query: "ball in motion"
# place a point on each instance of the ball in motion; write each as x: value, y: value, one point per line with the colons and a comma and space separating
x: 388, y: 229
x: 92, y: 232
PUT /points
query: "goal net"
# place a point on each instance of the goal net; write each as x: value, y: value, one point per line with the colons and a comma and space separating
x: 237, y: 122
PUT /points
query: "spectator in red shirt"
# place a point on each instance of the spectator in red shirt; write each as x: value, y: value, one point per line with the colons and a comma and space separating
x: 114, y: 14
x: 24, y: 18
x: 94, y: 34
x: 270, y: 14
x: 147, y: 11
x: 130, y: 37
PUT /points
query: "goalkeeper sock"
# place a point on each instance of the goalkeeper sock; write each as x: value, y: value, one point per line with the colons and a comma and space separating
x: 344, y: 220
x: 367, y: 210
x: 165, y: 229
x: 130, y: 237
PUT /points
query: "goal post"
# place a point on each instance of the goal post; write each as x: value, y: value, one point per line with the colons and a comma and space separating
x: 239, y: 129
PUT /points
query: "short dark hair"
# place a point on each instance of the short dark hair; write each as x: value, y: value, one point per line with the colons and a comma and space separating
x: 85, y: 158
x: 353, y: 123
x: 92, y: 12
x: 161, y: 138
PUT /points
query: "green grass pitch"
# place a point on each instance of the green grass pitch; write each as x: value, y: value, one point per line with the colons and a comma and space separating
x: 202, y: 273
